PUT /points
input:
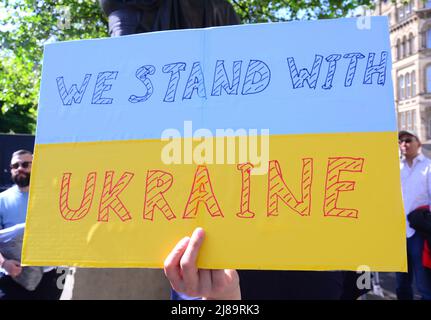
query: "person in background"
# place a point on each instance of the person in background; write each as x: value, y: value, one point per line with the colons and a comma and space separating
x: 13, y: 210
x: 416, y: 189
x: 139, y: 16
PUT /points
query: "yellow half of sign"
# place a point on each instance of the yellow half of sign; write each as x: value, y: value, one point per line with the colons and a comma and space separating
x: 310, y: 202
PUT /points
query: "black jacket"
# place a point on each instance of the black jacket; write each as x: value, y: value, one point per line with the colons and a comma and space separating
x: 158, y: 15
x: 420, y: 220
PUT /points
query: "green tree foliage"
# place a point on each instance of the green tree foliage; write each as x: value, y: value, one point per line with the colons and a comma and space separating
x: 26, y: 25
x: 252, y: 11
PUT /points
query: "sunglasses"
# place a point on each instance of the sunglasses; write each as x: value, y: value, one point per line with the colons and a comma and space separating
x: 406, y: 140
x: 24, y: 164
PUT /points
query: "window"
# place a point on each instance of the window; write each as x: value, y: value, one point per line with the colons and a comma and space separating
x: 413, y: 120
x: 428, y: 78
x: 409, y: 120
x: 403, y: 47
x: 401, y: 88
x: 428, y: 39
x: 411, y: 44
x: 408, y: 8
x: 413, y: 83
x: 401, y: 13
x: 398, y: 49
x: 408, y: 88
x: 402, y: 120
x: 408, y: 49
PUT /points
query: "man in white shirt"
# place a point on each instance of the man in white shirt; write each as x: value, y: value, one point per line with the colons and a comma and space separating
x: 416, y: 189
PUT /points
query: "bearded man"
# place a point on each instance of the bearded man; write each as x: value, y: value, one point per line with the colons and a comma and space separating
x: 13, y: 210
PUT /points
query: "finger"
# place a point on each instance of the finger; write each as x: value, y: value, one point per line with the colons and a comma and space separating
x: 225, y: 282
x: 172, y: 262
x: 232, y: 275
x: 15, y: 263
x: 188, y: 261
x: 219, y: 280
x: 16, y: 272
x: 205, y: 282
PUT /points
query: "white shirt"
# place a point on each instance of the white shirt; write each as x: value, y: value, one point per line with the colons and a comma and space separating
x: 416, y: 186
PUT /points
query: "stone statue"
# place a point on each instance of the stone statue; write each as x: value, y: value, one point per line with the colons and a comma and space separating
x: 139, y: 16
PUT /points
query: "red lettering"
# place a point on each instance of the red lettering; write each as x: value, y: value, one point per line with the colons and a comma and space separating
x: 87, y: 198
x: 245, y: 191
x: 157, y: 183
x: 334, y: 186
x: 109, y: 199
x: 202, y: 191
x: 277, y: 188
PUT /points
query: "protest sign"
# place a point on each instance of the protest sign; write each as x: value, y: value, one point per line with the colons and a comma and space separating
x: 280, y: 140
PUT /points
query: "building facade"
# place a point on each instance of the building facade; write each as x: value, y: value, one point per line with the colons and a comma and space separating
x: 410, y: 36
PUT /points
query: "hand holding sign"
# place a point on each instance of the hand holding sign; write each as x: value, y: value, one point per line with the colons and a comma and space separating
x: 12, y: 267
x: 184, y: 276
